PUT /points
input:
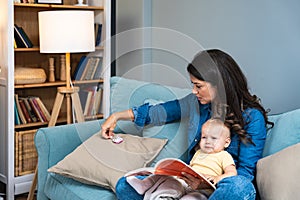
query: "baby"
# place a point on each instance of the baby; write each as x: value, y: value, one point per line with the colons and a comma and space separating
x: 210, y: 159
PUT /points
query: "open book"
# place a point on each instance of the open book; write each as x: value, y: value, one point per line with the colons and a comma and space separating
x: 172, y: 167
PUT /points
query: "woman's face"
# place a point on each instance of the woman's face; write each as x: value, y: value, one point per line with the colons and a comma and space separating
x: 203, y: 90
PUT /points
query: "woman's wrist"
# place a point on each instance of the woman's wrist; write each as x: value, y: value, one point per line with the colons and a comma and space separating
x: 131, y: 114
x: 124, y: 115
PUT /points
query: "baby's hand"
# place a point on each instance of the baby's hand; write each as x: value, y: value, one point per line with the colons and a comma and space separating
x: 213, y: 179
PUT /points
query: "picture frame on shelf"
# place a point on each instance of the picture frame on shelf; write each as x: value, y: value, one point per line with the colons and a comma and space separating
x: 50, y: 1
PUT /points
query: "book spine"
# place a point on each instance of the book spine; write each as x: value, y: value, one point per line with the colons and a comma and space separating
x: 21, y: 115
x: 23, y: 43
x: 31, y: 112
x: 39, y: 109
x: 43, y: 108
x: 18, y: 40
x: 87, y: 69
x: 98, y: 100
x: 39, y: 117
x: 17, y: 117
x: 98, y: 72
x: 15, y: 43
x: 95, y: 66
x: 90, y: 68
x: 25, y: 111
x: 99, y: 33
x: 25, y: 37
x: 80, y: 68
x: 91, y: 106
x: 87, y: 103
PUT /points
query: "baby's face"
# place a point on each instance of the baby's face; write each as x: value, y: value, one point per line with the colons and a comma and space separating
x: 214, y: 139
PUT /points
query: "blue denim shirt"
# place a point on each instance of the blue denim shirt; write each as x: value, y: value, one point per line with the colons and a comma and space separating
x: 244, y: 155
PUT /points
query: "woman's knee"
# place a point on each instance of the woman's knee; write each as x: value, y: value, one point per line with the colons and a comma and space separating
x: 125, y: 192
x: 234, y: 188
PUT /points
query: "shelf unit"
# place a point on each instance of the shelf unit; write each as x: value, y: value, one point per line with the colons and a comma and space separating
x: 26, y: 16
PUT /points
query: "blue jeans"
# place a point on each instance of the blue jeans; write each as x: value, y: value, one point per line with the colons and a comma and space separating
x: 231, y: 188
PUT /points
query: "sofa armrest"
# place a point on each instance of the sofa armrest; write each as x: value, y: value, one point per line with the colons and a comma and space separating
x: 54, y: 143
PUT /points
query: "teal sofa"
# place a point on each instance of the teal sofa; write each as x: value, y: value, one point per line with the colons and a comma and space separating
x: 54, y: 143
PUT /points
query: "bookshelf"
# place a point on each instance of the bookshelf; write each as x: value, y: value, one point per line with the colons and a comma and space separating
x: 13, y: 137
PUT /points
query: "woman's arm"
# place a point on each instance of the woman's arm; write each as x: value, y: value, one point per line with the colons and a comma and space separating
x: 249, y: 154
x: 147, y: 114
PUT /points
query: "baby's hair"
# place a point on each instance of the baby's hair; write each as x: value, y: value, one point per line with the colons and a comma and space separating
x: 220, y: 123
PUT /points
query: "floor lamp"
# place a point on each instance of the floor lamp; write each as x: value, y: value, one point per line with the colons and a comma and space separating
x: 65, y: 31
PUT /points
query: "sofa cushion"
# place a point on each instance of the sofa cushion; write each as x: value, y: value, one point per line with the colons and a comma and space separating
x: 286, y: 132
x: 101, y: 162
x: 277, y: 175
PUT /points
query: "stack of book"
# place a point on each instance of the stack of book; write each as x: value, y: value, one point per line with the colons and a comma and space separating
x: 88, y: 68
x: 21, y: 39
x: 30, y: 110
x: 90, y: 98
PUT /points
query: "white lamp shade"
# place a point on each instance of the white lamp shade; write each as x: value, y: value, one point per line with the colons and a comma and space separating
x: 66, y: 31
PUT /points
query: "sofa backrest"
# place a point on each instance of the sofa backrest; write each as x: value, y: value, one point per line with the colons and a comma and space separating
x: 126, y: 93
x: 286, y: 132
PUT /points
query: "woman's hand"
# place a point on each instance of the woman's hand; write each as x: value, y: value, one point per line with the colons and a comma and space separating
x: 108, y: 126
x: 110, y: 123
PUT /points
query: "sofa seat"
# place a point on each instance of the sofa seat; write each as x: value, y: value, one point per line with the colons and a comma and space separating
x: 58, y: 186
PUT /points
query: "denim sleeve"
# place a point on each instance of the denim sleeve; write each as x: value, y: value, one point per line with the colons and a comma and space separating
x: 160, y: 114
x: 249, y: 154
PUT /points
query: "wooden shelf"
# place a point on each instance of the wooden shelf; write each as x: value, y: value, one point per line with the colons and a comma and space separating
x: 59, y: 121
x: 37, y: 49
x: 55, y: 84
x: 58, y: 6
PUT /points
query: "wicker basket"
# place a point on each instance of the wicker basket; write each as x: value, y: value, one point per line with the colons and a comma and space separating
x: 29, y: 75
x: 25, y: 152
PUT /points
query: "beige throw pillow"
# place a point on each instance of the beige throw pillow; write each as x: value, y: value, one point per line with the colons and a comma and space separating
x: 278, y: 175
x: 99, y: 161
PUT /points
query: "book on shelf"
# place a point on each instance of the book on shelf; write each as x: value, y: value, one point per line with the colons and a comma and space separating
x: 37, y: 109
x: 98, y: 73
x: 15, y: 43
x: 172, y: 167
x: 25, y: 111
x: 98, y: 100
x: 80, y: 68
x: 91, y: 100
x: 87, y: 102
x: 88, y: 68
x: 19, y: 42
x: 29, y: 109
x: 17, y: 117
x: 25, y: 37
x: 43, y: 108
x: 21, y: 38
x: 21, y: 114
x: 98, y: 34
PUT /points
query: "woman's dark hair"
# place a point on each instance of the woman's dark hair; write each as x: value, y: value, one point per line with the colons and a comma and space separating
x: 233, y: 96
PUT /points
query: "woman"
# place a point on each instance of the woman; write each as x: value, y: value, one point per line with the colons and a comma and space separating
x: 219, y: 90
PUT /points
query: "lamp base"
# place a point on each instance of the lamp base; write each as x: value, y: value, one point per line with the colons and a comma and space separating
x: 71, y: 94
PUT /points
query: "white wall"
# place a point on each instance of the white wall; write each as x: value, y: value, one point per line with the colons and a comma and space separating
x: 262, y: 35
